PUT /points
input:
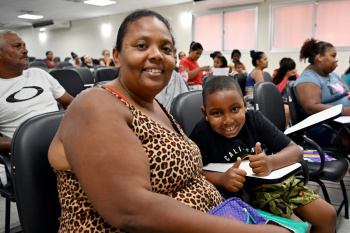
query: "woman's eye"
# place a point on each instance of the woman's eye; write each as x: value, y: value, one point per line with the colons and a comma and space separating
x: 167, y: 49
x: 141, y: 46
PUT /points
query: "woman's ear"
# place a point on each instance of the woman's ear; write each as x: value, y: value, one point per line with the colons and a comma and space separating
x: 319, y: 57
x: 116, y: 58
x: 204, y: 113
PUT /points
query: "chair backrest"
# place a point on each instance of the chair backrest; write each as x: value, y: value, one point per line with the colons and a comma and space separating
x: 86, y: 74
x: 294, y: 109
x: 31, y: 59
x: 186, y: 109
x: 37, y: 63
x: 241, y: 79
x: 63, y: 64
x: 267, y: 76
x: 69, y: 79
x: 268, y: 101
x: 35, y: 183
x: 67, y: 58
x: 58, y: 59
x: 105, y: 73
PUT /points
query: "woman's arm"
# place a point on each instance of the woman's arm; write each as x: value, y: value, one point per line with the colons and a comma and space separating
x: 257, y: 75
x: 114, y: 171
x: 195, y: 72
x: 5, y: 144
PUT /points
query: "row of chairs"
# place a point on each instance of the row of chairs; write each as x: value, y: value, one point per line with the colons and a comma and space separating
x: 186, y: 110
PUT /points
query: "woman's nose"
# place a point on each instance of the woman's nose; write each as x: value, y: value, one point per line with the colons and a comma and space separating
x: 155, y: 53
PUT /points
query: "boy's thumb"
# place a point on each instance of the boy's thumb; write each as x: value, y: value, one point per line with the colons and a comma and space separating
x: 258, y: 149
x: 237, y: 163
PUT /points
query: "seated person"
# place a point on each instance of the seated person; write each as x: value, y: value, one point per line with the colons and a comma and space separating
x: 107, y: 61
x: 75, y: 60
x: 235, y: 57
x: 182, y: 54
x: 229, y: 133
x: 89, y: 62
x: 136, y: 171
x: 319, y: 88
x: 346, y: 76
x: 220, y: 62
x: 23, y: 93
x: 281, y: 76
x: 49, y: 61
x: 260, y: 62
x: 239, y: 68
x: 213, y: 55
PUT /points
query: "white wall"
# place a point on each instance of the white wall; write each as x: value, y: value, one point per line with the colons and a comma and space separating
x: 85, y: 37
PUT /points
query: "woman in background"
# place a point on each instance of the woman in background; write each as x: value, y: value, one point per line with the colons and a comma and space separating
x: 195, y: 72
x: 107, y: 61
x: 49, y: 61
x: 319, y: 88
x: 260, y: 62
x: 235, y: 57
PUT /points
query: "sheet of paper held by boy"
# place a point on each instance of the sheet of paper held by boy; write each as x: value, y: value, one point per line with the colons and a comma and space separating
x: 275, y: 176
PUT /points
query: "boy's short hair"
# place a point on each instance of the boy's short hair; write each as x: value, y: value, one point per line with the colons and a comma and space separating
x: 238, y: 63
x: 220, y: 83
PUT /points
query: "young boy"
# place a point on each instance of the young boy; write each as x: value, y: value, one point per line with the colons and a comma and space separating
x: 229, y: 132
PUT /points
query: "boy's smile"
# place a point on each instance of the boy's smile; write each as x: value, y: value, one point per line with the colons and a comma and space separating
x: 225, y: 110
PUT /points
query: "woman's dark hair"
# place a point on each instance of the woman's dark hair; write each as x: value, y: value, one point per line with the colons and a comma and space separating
x: 220, y: 83
x: 195, y: 46
x: 223, y: 61
x: 286, y: 64
x: 135, y: 16
x: 255, y: 55
x: 215, y: 54
x: 235, y: 51
x: 311, y: 48
x: 48, y: 52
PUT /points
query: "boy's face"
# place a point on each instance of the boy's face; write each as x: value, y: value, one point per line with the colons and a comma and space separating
x: 225, y: 111
x: 239, y: 69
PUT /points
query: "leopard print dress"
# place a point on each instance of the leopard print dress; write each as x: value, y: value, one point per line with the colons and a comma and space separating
x: 175, y: 166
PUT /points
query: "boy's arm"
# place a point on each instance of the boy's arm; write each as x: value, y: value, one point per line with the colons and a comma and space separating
x: 262, y: 164
x: 232, y: 180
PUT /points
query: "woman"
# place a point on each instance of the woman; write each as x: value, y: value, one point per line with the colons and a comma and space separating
x: 126, y: 170
x: 182, y: 55
x: 235, y: 57
x: 260, y: 62
x: 49, y: 61
x: 346, y: 76
x: 319, y: 88
x: 285, y: 73
x: 281, y: 76
x: 107, y: 61
x: 195, y: 72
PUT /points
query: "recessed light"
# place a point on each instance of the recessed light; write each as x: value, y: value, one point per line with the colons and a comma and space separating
x: 100, y: 2
x: 29, y: 16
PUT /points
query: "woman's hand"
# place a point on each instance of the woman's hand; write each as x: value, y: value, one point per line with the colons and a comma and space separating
x: 260, y: 162
x: 234, y: 178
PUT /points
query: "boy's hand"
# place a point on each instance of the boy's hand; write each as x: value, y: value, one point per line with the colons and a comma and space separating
x: 260, y: 162
x: 234, y: 177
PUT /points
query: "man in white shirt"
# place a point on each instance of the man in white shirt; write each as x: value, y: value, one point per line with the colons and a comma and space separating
x: 23, y: 93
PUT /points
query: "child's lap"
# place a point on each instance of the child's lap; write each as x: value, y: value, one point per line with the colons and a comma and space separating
x: 280, y: 199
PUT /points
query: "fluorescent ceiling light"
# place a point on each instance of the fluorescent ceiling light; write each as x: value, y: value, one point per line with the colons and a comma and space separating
x: 29, y: 16
x: 100, y: 2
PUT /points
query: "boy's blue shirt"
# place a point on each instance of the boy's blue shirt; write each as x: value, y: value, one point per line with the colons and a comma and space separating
x: 216, y: 148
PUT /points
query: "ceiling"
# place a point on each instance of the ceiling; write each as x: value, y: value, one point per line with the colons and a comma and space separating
x: 68, y: 10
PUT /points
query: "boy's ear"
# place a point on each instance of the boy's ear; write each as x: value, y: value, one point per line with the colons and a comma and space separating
x: 116, y: 58
x: 204, y: 113
x: 245, y: 103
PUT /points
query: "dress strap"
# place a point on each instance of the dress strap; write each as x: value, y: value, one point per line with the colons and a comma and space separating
x: 115, y: 94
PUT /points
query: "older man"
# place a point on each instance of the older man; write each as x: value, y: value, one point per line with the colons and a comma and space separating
x: 23, y: 93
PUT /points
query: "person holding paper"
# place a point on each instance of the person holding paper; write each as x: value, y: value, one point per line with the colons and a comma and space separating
x: 229, y: 133
x: 319, y: 88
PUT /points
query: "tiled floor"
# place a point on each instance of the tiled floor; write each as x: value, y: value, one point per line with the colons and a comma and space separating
x: 335, y: 193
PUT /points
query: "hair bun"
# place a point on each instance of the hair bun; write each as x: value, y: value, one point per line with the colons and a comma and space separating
x: 252, y: 53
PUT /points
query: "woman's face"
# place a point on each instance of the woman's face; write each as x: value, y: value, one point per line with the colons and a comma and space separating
x: 263, y: 62
x: 217, y: 63
x: 195, y: 54
x: 146, y: 60
x: 107, y: 54
x: 329, y: 61
x: 49, y: 56
x: 236, y: 57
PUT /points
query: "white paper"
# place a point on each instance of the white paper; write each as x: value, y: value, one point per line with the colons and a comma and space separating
x: 223, y: 167
x: 343, y: 119
x: 221, y: 71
